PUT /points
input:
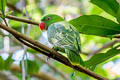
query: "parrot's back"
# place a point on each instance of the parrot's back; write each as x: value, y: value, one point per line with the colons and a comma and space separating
x: 64, y: 36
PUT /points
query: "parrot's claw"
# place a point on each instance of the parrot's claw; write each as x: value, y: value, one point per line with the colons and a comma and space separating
x: 55, y: 48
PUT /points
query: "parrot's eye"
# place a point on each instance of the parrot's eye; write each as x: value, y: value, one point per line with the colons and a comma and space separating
x: 48, y: 18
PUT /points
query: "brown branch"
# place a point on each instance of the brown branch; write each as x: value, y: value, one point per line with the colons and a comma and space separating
x: 50, y: 52
x: 21, y: 20
x: 107, y: 45
x: 40, y: 75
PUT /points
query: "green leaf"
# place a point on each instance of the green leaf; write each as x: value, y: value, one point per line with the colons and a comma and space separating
x: 118, y: 15
x: 8, y: 62
x: 95, y: 25
x: 110, y: 6
x: 96, y: 10
x: 2, y: 63
x: 33, y: 67
x: 101, y: 57
x: 2, y: 6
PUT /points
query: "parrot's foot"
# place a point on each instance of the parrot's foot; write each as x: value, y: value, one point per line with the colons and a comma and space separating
x: 55, y: 48
x: 48, y: 58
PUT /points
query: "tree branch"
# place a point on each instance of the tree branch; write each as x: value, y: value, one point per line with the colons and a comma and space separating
x: 107, y: 45
x: 50, y: 52
x: 21, y: 20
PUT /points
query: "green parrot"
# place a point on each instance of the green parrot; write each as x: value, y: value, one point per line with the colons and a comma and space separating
x: 63, y: 36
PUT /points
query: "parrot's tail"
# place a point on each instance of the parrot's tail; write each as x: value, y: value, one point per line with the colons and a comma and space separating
x: 75, y: 58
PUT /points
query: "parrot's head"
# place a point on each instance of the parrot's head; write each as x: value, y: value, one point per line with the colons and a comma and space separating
x: 48, y: 20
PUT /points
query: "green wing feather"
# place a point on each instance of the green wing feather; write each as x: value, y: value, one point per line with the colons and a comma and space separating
x: 74, y: 57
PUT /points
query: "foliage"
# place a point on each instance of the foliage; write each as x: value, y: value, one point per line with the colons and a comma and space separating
x: 1, y: 63
x: 32, y: 69
x: 101, y: 57
x: 6, y: 64
x: 2, y: 7
x: 106, y: 6
x: 95, y: 25
x: 114, y: 10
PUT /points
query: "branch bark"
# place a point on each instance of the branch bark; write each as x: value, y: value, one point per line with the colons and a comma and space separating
x: 21, y: 20
x: 107, y: 45
x: 50, y: 52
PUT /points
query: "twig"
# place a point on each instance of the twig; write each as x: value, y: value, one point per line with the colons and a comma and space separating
x: 103, y: 47
x: 5, y: 21
x: 21, y: 20
x: 50, y: 52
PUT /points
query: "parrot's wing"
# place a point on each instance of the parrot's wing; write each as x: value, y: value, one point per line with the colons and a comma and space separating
x: 74, y: 58
x: 77, y: 40
x: 58, y: 35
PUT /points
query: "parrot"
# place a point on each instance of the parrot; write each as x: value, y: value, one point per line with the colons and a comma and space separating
x: 63, y: 36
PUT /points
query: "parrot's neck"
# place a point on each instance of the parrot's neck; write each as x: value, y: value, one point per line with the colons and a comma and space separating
x: 67, y: 25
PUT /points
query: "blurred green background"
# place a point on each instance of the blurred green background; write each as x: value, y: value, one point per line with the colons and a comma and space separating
x: 12, y: 50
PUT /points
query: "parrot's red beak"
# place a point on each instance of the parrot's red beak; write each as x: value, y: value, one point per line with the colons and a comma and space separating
x: 42, y: 25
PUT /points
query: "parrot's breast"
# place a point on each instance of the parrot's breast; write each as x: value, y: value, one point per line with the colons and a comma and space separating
x: 62, y: 36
